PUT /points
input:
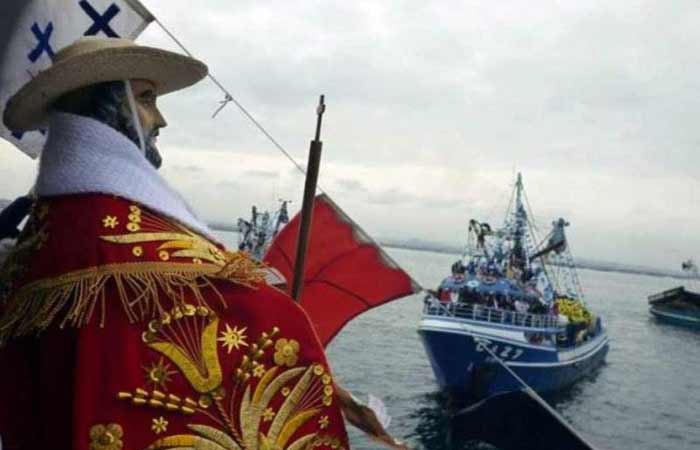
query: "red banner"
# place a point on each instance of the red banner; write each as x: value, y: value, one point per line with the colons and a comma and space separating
x: 346, y: 272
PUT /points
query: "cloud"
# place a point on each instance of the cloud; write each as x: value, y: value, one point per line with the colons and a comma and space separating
x: 263, y: 174
x: 433, y: 108
x: 346, y: 184
x: 191, y: 169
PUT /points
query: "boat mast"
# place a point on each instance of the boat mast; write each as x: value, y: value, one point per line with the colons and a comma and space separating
x: 519, y: 231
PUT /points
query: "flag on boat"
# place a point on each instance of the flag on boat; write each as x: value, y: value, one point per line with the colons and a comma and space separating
x: 32, y: 31
x: 346, y: 272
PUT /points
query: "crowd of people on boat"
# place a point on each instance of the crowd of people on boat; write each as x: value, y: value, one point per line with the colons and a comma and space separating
x: 469, y: 295
x: 513, y: 289
x: 485, y: 284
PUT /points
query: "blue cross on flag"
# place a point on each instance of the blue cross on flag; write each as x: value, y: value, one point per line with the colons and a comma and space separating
x: 32, y: 31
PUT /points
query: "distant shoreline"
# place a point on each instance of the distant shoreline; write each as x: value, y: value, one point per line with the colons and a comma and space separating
x: 424, y: 246
x: 599, y: 266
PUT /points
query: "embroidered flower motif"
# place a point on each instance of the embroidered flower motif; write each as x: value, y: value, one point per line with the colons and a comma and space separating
x: 110, y: 221
x: 268, y: 415
x: 287, y: 352
x: 107, y: 437
x: 285, y: 391
x: 133, y: 227
x: 328, y: 390
x: 164, y: 255
x: 160, y: 425
x: 233, y: 338
x: 327, y: 401
x: 259, y: 370
x: 323, y: 422
x: 135, y: 209
x: 318, y: 369
x: 158, y: 374
x: 326, y: 379
x: 136, y: 218
x: 137, y: 250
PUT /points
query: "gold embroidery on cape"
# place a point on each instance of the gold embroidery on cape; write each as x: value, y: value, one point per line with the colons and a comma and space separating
x: 106, y: 437
x: 195, y: 356
x: 175, y: 240
x: 233, y: 338
x: 158, y: 374
x: 253, y: 415
x: 323, y: 422
x: 286, y: 352
x: 145, y: 289
x: 159, y: 425
x: 110, y: 221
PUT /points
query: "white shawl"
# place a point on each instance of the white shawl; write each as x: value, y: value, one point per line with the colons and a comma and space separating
x: 83, y: 155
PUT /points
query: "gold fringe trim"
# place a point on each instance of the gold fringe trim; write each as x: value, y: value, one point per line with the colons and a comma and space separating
x: 75, y: 298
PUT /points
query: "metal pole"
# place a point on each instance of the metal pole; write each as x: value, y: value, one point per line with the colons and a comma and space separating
x: 307, y: 207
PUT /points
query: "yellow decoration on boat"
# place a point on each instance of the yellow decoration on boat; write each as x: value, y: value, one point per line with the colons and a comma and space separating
x: 574, y: 310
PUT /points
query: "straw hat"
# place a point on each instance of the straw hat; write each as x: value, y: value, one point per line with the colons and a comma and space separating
x: 92, y: 60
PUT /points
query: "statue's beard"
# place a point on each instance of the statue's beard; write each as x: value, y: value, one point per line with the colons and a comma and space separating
x: 128, y: 129
x: 111, y: 108
x: 152, y: 154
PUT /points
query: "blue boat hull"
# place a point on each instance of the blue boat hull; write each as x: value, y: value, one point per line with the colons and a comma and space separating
x: 462, y: 367
x: 676, y: 317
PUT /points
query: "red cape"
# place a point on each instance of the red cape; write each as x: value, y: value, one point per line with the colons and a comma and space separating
x: 169, y: 341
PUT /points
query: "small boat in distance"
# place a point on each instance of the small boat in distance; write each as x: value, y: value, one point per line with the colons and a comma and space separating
x: 256, y: 234
x: 679, y: 305
x: 520, y: 300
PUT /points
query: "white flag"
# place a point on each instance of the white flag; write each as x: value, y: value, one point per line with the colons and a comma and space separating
x: 32, y: 31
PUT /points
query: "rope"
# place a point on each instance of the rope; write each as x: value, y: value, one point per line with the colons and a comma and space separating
x: 534, y: 395
x: 230, y: 98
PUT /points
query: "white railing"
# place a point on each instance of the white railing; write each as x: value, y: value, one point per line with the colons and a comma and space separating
x: 482, y: 313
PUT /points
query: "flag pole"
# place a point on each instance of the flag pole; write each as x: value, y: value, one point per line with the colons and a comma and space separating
x: 307, y: 207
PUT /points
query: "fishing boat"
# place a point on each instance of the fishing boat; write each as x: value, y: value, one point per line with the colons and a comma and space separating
x: 517, y: 298
x: 256, y: 234
x: 679, y: 305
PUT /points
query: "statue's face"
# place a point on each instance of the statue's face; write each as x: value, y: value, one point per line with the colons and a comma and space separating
x: 150, y: 117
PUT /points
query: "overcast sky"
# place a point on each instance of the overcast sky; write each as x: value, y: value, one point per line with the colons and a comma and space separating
x: 433, y: 107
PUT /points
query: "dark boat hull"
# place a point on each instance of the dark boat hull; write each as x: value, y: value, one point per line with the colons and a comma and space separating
x: 677, y: 306
x: 676, y: 317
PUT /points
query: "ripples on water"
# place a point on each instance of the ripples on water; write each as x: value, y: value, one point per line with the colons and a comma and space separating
x: 645, y: 397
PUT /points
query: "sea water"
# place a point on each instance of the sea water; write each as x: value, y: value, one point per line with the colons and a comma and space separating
x: 647, y: 395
